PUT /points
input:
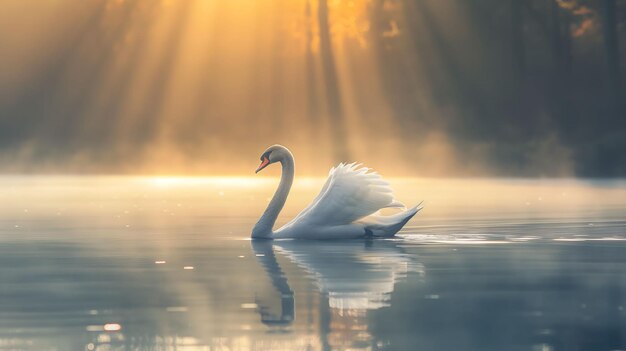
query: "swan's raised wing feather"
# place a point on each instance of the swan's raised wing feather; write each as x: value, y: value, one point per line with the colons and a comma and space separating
x: 350, y: 193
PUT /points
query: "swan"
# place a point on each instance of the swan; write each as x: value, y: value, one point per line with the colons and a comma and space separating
x: 346, y: 207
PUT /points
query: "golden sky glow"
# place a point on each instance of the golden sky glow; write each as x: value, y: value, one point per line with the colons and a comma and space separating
x: 203, y: 87
x: 180, y: 87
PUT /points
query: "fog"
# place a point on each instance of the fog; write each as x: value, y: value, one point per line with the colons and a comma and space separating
x: 409, y: 87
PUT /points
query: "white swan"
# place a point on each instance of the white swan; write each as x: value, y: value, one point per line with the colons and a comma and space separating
x: 347, y: 207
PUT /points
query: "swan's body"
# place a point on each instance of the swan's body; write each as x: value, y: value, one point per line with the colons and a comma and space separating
x: 346, y: 207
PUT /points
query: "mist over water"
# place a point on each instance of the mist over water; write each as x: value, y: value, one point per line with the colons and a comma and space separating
x: 144, y: 263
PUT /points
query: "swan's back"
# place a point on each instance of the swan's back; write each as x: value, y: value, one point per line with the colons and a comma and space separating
x: 349, y: 194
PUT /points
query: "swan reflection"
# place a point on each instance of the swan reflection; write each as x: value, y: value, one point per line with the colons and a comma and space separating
x: 265, y: 254
x: 352, y: 277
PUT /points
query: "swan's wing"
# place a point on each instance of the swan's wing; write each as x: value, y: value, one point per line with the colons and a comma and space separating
x: 350, y: 193
x: 313, y: 203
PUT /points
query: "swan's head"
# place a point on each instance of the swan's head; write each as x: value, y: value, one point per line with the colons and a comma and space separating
x: 274, y: 153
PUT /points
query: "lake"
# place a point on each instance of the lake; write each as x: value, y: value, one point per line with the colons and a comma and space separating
x: 166, y: 263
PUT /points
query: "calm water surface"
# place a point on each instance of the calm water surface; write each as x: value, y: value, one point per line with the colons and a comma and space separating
x: 124, y: 263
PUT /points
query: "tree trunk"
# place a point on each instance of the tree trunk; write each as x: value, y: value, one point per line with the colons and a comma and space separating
x: 517, y: 38
x: 567, y: 44
x: 333, y: 97
x: 312, y: 107
x: 611, y: 48
x: 557, y: 42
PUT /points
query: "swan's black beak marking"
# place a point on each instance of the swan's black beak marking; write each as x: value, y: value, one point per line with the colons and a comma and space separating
x: 264, y: 162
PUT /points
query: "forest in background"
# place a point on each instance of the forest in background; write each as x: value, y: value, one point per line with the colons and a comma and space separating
x: 416, y: 87
x: 525, y: 75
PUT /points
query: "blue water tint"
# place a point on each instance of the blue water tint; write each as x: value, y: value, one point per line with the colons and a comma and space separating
x: 137, y: 264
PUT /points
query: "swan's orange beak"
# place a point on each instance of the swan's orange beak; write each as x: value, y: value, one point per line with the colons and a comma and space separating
x: 264, y: 163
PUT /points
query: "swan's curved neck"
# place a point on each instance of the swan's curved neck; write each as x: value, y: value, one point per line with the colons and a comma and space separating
x: 263, y: 228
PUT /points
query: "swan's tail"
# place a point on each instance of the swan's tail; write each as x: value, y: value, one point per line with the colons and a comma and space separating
x: 388, y: 226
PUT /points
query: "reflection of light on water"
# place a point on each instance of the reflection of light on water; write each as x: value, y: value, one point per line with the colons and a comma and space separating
x: 168, y: 181
x: 542, y: 347
x: 105, y: 327
x: 112, y: 327
x: 361, y: 301
x: 591, y: 239
x: 462, y: 239
x: 524, y: 238
x: 472, y: 242
x: 349, y: 329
